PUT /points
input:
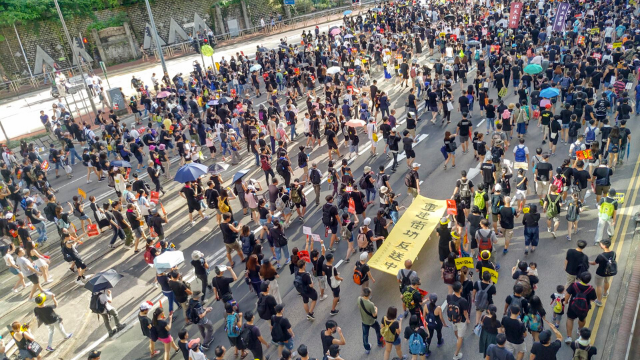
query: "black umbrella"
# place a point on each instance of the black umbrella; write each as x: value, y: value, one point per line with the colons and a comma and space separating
x: 224, y: 100
x: 283, y: 46
x: 449, y: 17
x: 103, y: 280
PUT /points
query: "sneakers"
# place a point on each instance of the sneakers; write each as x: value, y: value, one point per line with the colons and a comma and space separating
x: 605, y: 295
x: 334, y: 312
x: 526, y: 252
x: 323, y: 297
x: 50, y: 280
x: 505, y: 251
x: 568, y: 340
x: 568, y: 238
x: 193, y: 223
x: 548, y: 229
x: 457, y: 357
x: 69, y: 336
x: 49, y: 348
x: 598, y: 303
x: 367, y: 352
x: 440, y: 343
x: 553, y: 233
x: 310, y: 316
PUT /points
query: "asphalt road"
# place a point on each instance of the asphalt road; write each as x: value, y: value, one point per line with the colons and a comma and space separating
x: 438, y: 184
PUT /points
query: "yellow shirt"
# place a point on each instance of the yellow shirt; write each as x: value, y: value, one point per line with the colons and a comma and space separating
x: 167, y: 124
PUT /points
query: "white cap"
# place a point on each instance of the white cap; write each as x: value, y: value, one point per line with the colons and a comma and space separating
x: 415, y: 165
x: 498, y: 187
x: 367, y: 221
x: 364, y: 256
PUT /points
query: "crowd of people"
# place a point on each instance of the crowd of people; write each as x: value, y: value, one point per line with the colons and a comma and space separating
x: 573, y: 86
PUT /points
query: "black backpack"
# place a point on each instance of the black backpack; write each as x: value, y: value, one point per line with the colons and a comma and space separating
x: 327, y: 219
x: 405, y: 281
x: 245, y: 340
x: 48, y: 213
x: 95, y: 305
x: 298, y: 283
x: 611, y: 267
x: 263, y: 310
x: 409, y: 181
x: 579, y: 305
x: 192, y: 313
x: 281, y: 168
x: 316, y: 179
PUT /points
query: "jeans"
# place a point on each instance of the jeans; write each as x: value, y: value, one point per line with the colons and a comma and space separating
x: 284, y: 249
x: 267, y: 173
x: 171, y: 299
x: 52, y: 329
x: 106, y: 317
x: 117, y: 233
x: 206, y: 330
x: 41, y: 228
x: 365, y: 335
x: 371, y: 191
x: 225, y: 149
x: 257, y: 160
x: 384, y: 111
x: 491, y: 124
x: 74, y: 154
x: 394, y: 216
x: 293, y: 131
x: 395, y: 159
x: 516, y: 83
x: 602, y: 224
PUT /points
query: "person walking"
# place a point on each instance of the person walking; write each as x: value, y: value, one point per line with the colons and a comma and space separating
x: 498, y: 350
x: 163, y: 329
x: 491, y: 329
x: 281, y: 331
x: 145, y: 325
x: 252, y: 333
x: 333, y: 279
x: 607, y: 269
x: 46, y: 315
x: 576, y: 261
x: 515, y: 332
x: 329, y: 342
x: 578, y: 298
x: 304, y: 285
x: 198, y: 315
x: 369, y: 317
x: 181, y: 292
x: 105, y: 298
x: 390, y: 331
x: 458, y: 314
x: 434, y: 318
x: 607, y: 215
x: 545, y: 348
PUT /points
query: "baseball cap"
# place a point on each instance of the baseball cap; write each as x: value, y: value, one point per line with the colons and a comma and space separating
x: 278, y: 308
x: 394, y: 129
x: 193, y: 343
x: 367, y: 221
x: 147, y: 305
x: 415, y: 165
x: 498, y: 187
x: 548, y: 106
x: 364, y: 256
x: 95, y: 354
x: 415, y: 281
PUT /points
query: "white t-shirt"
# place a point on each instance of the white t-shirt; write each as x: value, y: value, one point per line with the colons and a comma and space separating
x: 104, y: 298
x: 196, y: 355
x: 8, y: 260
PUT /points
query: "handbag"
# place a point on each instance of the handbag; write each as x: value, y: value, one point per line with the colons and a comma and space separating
x: 34, y: 348
x: 477, y: 330
x: 334, y: 282
x: 375, y: 137
x: 449, y: 106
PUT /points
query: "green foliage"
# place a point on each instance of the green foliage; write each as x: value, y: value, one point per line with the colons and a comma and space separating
x: 226, y: 3
x: 114, y: 21
x: 12, y: 11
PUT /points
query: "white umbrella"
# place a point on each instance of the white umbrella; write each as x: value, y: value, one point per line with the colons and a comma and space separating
x: 255, y: 67
x: 333, y: 70
x: 168, y: 260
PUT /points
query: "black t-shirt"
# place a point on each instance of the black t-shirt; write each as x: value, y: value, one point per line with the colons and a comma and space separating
x: 492, y: 289
x: 198, y: 266
x: 46, y: 314
x: 507, y: 216
x: 228, y: 235
x: 487, y: 172
x: 407, y: 143
x: 393, y: 142
x: 364, y: 269
x: 574, y: 259
x: 463, y: 304
x: 464, y: 126
x: 602, y: 261
x: 514, y: 329
x: 144, y: 325
x: 327, y: 341
x: 161, y: 328
x: 581, y: 178
x: 222, y: 284
x: 544, y: 170
x: 284, y: 325
x: 318, y: 266
x: 546, y: 352
x: 179, y: 290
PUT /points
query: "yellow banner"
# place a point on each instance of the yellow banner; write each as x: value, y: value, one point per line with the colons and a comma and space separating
x: 465, y: 261
x: 616, y: 45
x: 409, y: 235
x: 82, y: 193
x: 494, y: 274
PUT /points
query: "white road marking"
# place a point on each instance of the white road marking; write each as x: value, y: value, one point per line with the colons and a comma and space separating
x: 403, y: 155
x: 339, y: 263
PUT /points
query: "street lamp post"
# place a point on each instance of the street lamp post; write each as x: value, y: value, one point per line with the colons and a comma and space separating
x: 155, y: 37
x: 76, y: 57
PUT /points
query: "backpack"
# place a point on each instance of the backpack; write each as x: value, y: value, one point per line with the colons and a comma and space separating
x: 521, y: 155
x: 495, y: 154
x: 327, y: 220
x: 299, y: 284
x: 222, y: 206
x: 48, y: 213
x: 409, y: 181
x: 246, y: 245
x: 245, y: 340
x: 281, y: 168
x: 484, y: 243
x: 557, y: 305
x: 277, y: 333
x: 478, y: 200
x: 362, y: 240
x: 192, y: 313
x: 232, y: 328
x: 580, y: 353
x: 496, y: 203
x: 279, y: 203
x: 357, y: 275
x: 454, y: 313
x: 611, y: 267
x: 405, y: 281
x: 316, y: 179
x: 572, y: 212
x: 565, y: 82
x: 603, y: 181
x: 533, y: 322
x: 407, y: 298
x: 482, y: 296
x: 95, y: 305
x: 579, y: 305
x: 417, y: 346
x: 559, y: 182
x: 263, y: 310
x: 553, y: 209
x: 591, y: 135
x: 606, y: 210
x: 465, y: 190
x: 526, y: 284
x: 363, y: 183
x: 386, y: 333
x: 477, y: 55
x: 449, y: 274
x: 295, y: 196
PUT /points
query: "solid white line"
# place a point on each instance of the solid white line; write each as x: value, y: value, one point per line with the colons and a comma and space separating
x: 339, y: 263
x: 481, y: 122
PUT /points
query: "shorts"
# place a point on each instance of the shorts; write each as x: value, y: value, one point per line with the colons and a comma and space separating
x: 508, y: 234
x: 322, y: 281
x: 332, y: 146
x: 312, y: 294
x: 80, y: 264
x: 167, y: 340
x: 193, y: 206
x: 334, y: 229
x: 602, y: 189
x: 413, y: 192
x: 397, y: 341
x: 233, y: 246
x: 138, y: 231
x: 460, y: 328
x: 233, y: 340
x: 83, y: 217
x: 570, y: 279
x: 601, y: 280
x: 555, y: 219
x: 433, y: 108
x: 494, y: 218
x: 542, y: 187
x: 554, y: 141
x: 14, y: 271
x: 263, y: 222
x: 307, y: 134
x: 565, y: 126
x: 571, y: 315
x: 464, y: 139
x: 288, y: 344
x: 336, y: 292
x: 410, y: 154
x: 516, y: 348
x: 465, y: 203
x: 302, y: 203
x: 412, y: 132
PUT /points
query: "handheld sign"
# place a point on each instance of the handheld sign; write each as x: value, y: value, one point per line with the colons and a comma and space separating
x: 464, y: 261
x: 494, y: 274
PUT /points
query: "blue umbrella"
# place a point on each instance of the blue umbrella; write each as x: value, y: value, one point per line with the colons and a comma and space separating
x: 376, y: 9
x: 549, y: 92
x: 239, y: 175
x: 190, y: 172
x: 121, y: 163
x: 347, y: 12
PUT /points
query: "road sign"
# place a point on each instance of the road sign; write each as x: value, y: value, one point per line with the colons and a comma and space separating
x: 104, y: 71
x: 289, y: 2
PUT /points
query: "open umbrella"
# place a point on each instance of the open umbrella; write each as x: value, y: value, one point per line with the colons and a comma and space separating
x: 217, y: 168
x: 103, y: 280
x: 376, y: 9
x: 333, y: 70
x: 304, y: 64
x: 473, y: 43
x: 335, y: 31
x: 549, y: 92
x: 348, y: 36
x: 533, y: 69
x: 168, y: 260
x: 255, y: 67
x: 163, y: 94
x: 213, y: 102
x: 190, y: 172
x: 283, y: 46
x: 121, y: 163
x: 356, y: 123
x: 224, y: 100
x: 347, y: 12
x: 263, y: 49
x: 239, y: 175
x: 449, y: 17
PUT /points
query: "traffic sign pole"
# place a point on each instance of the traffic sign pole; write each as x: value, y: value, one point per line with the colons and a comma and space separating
x: 104, y: 71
